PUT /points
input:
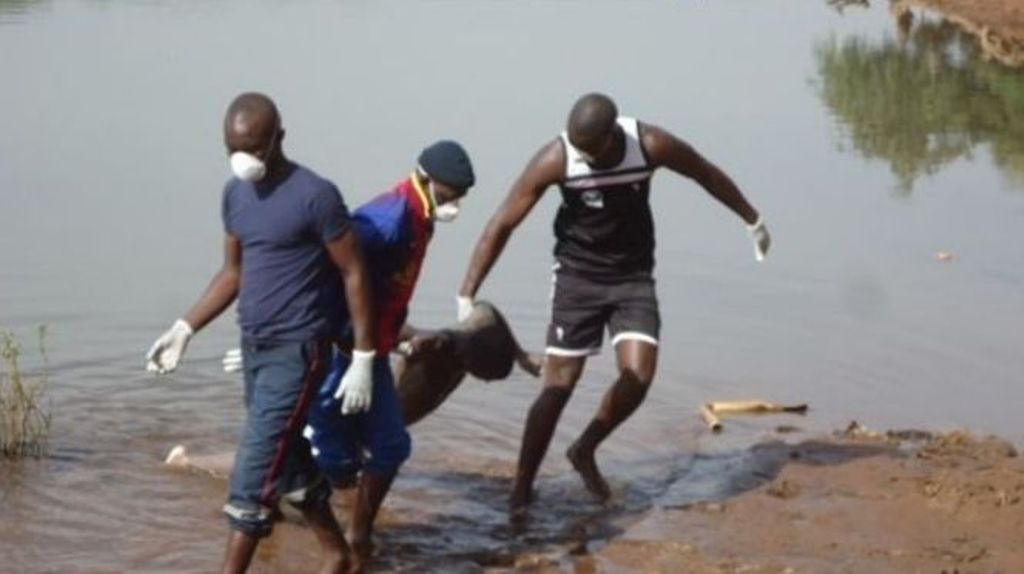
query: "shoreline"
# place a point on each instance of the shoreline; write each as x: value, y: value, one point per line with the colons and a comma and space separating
x: 998, y: 25
x: 853, y: 501
x: 858, y: 502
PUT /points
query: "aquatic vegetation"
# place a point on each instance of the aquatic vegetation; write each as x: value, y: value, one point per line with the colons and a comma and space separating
x: 24, y: 422
x: 841, y: 5
x: 924, y: 100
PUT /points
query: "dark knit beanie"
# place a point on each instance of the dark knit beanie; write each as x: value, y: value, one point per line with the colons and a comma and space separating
x: 447, y: 163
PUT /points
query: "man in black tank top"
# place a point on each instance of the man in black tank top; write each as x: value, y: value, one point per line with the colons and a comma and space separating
x: 604, y: 257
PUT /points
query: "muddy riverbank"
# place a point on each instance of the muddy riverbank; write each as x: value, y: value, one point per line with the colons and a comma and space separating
x: 998, y: 25
x: 857, y: 503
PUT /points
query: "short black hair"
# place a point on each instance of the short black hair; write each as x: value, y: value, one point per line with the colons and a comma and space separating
x: 253, y: 107
x: 592, y: 118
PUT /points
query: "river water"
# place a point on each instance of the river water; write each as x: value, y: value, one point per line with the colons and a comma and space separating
x: 869, y: 148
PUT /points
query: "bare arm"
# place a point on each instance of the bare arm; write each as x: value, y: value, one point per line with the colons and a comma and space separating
x: 666, y: 150
x: 348, y: 258
x: 223, y: 288
x: 544, y: 169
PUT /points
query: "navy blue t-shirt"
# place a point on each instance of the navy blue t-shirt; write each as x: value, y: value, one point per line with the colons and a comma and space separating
x: 290, y: 290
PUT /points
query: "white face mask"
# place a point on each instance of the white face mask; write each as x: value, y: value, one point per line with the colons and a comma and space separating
x: 247, y: 167
x: 444, y: 213
x: 447, y: 213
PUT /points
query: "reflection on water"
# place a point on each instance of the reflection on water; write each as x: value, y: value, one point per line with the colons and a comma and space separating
x: 924, y: 99
x: 12, y: 10
x: 841, y: 5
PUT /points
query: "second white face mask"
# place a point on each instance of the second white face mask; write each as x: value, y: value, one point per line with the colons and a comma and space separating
x: 445, y: 213
x: 247, y: 167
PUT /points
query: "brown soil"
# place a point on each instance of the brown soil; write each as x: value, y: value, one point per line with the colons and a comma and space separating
x: 997, y: 24
x: 1001, y: 15
x: 858, y: 503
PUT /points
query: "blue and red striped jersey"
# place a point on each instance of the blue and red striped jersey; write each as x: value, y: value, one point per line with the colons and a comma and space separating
x: 394, y: 229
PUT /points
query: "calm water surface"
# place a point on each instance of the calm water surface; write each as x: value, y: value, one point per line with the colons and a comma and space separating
x: 869, y: 148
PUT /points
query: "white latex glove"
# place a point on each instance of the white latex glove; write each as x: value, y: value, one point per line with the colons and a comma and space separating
x: 465, y: 307
x: 232, y: 361
x: 760, y: 237
x: 356, y: 388
x: 166, y: 352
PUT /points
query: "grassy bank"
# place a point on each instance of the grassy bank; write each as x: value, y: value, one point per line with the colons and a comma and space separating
x: 24, y: 420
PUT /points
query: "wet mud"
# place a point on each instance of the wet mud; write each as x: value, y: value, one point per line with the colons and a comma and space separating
x: 859, y: 502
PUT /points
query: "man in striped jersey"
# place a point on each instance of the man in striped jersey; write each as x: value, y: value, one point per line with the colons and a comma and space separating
x: 604, y: 259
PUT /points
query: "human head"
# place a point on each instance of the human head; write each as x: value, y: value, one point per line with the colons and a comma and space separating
x: 446, y: 166
x: 592, y: 125
x: 252, y: 136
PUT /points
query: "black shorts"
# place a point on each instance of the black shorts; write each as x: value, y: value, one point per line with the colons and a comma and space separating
x: 581, y: 307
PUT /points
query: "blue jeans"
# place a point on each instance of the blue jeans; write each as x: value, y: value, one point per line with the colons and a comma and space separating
x: 273, y: 459
x: 375, y: 440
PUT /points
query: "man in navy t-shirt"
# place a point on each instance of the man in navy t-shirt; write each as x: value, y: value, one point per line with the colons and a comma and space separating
x: 288, y: 252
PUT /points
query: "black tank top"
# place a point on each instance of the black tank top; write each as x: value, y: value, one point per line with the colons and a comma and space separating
x: 604, y: 226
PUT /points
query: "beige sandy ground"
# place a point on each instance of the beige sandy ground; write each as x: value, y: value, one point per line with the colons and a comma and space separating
x: 860, y: 502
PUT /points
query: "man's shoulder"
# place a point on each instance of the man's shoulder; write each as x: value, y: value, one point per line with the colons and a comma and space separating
x: 386, y: 212
x: 232, y: 185
x: 549, y: 162
x: 651, y: 133
x: 387, y: 200
x: 310, y: 181
x: 233, y: 194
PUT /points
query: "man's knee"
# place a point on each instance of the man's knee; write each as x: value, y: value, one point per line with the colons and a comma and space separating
x: 386, y: 455
x: 562, y: 373
x: 335, y: 451
x: 313, y: 495
x: 637, y: 361
x: 637, y: 375
x: 340, y: 471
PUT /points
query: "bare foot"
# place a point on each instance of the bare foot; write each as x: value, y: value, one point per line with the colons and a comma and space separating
x: 519, y: 503
x: 361, y: 553
x: 587, y: 468
x: 335, y: 563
